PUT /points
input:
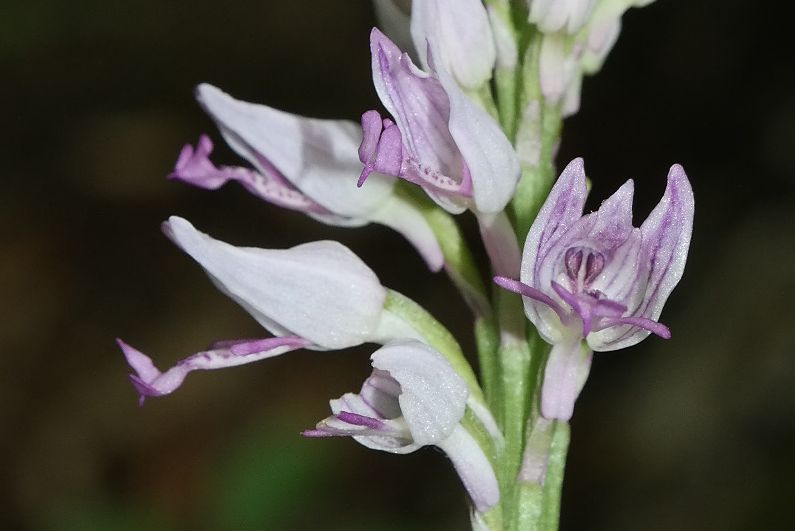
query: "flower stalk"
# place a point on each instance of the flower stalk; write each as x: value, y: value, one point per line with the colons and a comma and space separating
x: 475, y: 95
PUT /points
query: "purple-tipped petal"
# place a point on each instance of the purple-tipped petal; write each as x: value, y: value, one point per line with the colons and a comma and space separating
x: 665, y: 241
x: 614, y: 217
x: 149, y: 381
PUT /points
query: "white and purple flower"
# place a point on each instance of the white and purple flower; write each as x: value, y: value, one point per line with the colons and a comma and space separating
x: 439, y: 138
x: 595, y: 282
x: 318, y: 295
x: 414, y: 398
x: 304, y: 164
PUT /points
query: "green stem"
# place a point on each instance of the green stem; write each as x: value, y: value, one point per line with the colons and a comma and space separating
x: 553, y: 483
x: 487, y: 341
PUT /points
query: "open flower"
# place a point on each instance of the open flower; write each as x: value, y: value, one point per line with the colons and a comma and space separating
x: 414, y: 398
x: 439, y: 139
x: 305, y: 164
x: 595, y: 282
x: 318, y: 295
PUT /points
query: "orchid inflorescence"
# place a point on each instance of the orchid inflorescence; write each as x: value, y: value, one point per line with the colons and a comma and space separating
x: 473, y: 120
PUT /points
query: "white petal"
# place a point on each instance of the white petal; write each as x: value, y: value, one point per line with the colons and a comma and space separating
x: 565, y: 374
x: 459, y: 33
x: 433, y: 397
x: 319, y: 157
x: 473, y: 468
x: 320, y: 291
x: 489, y: 155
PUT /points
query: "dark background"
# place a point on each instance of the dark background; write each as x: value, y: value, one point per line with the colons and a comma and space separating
x: 694, y: 433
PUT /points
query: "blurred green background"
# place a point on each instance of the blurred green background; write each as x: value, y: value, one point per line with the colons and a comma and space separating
x: 694, y: 433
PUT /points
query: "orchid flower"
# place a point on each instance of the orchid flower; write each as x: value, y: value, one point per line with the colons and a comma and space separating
x: 318, y: 295
x: 439, y: 139
x: 304, y: 164
x: 595, y: 282
x: 414, y: 398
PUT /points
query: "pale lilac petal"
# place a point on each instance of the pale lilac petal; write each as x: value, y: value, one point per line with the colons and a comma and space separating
x: 421, y: 110
x: 614, y: 218
x: 487, y: 153
x: 473, y: 467
x: 433, y: 397
x: 564, y: 376
x: 561, y: 210
x: 459, y: 34
x: 149, y: 381
x: 665, y: 240
x: 195, y: 168
x: 320, y: 291
x: 317, y: 157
